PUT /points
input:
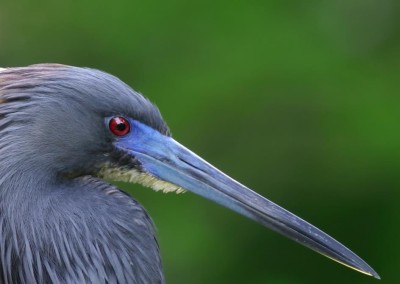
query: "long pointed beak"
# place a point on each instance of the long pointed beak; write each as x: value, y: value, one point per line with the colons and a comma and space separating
x: 167, y: 160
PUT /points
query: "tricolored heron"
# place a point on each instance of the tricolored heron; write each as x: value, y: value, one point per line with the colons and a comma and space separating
x: 63, y: 129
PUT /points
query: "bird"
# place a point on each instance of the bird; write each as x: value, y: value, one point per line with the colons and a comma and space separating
x: 65, y: 132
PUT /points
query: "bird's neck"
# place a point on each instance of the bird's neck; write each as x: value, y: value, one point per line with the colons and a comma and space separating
x: 20, y: 179
x: 50, y: 222
x: 83, y: 223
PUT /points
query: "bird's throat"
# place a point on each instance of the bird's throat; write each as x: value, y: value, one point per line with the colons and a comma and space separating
x: 134, y: 176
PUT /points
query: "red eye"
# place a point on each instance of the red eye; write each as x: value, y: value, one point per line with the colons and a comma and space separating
x: 119, y: 126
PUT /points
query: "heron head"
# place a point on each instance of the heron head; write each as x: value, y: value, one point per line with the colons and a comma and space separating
x: 77, y: 121
x: 58, y: 117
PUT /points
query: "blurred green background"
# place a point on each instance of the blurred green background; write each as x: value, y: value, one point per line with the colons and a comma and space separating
x: 299, y: 100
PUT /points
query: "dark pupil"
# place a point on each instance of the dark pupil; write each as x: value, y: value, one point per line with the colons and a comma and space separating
x: 121, y: 126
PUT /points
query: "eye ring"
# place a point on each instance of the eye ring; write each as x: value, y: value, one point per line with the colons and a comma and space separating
x: 119, y: 126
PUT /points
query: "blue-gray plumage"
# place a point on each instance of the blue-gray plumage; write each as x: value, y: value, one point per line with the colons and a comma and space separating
x: 63, y: 129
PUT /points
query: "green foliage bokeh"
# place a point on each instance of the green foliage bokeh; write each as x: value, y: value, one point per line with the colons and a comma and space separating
x: 299, y: 100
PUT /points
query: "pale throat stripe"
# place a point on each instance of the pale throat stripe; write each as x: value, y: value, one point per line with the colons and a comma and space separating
x: 134, y: 176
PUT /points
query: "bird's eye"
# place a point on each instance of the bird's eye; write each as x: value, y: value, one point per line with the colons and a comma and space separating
x: 119, y: 126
